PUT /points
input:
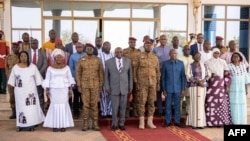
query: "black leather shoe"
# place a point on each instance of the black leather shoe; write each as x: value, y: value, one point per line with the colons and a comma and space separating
x: 166, y: 124
x: 63, y: 129
x: 113, y: 128
x: 179, y: 125
x: 122, y: 128
x: 55, y: 129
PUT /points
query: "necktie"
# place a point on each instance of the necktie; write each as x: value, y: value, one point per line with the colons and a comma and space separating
x: 34, y: 57
x: 119, y: 66
x: 200, y: 47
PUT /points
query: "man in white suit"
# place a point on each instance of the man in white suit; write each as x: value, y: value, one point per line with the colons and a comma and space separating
x: 118, y: 83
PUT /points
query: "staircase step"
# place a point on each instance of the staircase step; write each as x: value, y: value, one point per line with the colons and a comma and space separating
x: 5, y: 113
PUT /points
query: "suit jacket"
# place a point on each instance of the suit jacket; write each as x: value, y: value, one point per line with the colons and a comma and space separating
x: 69, y: 48
x: 42, y: 63
x: 118, y: 82
x: 194, y: 49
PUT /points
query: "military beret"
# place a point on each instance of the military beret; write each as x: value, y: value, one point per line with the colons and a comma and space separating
x: 15, y: 43
x: 219, y: 38
x: 19, y: 42
x: 89, y: 45
x: 1, y: 32
x: 147, y: 42
x: 132, y: 38
x: 58, y: 41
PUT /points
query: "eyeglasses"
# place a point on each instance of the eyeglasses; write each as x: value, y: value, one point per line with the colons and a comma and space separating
x: 216, y: 53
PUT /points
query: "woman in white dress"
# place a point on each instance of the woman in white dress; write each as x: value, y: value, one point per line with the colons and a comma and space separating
x: 25, y: 77
x: 58, y: 84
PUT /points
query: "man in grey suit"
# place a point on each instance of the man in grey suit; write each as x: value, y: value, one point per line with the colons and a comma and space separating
x: 118, y: 83
x: 38, y: 58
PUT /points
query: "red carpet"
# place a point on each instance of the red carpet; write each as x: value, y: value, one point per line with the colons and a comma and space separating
x: 132, y: 133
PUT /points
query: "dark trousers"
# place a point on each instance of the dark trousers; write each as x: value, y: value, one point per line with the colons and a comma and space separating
x: 3, y: 80
x: 77, y: 101
x: 40, y: 91
x: 159, y: 101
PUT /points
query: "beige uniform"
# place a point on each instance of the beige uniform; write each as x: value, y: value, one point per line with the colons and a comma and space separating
x: 89, y: 76
x: 11, y: 61
x: 132, y: 54
x: 146, y: 76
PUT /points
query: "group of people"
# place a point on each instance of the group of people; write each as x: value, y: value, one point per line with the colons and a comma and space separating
x: 202, y: 76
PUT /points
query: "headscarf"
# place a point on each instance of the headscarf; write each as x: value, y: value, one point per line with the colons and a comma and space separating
x: 216, y: 65
x: 57, y: 52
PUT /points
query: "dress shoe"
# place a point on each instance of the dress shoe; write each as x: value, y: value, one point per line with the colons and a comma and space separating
x: 113, y: 128
x: 63, y: 129
x: 166, y: 124
x: 122, y: 128
x: 55, y: 130
x: 179, y: 125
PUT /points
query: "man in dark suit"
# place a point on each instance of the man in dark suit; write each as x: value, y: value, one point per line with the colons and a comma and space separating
x: 70, y: 47
x: 38, y: 58
x: 118, y: 83
x: 198, y: 46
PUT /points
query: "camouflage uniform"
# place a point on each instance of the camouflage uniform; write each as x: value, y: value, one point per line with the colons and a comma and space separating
x: 132, y: 54
x: 89, y: 76
x: 146, y: 76
x: 11, y: 61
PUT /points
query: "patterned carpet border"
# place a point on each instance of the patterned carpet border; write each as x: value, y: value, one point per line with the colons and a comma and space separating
x: 171, y: 133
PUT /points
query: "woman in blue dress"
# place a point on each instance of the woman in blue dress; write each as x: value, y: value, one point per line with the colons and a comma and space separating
x: 237, y: 90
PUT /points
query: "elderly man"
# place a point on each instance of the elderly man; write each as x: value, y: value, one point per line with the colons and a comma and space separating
x: 147, y: 78
x: 89, y: 77
x: 11, y: 61
x: 118, y: 83
x: 173, y: 82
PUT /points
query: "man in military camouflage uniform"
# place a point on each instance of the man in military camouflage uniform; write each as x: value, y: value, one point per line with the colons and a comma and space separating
x: 89, y: 76
x: 219, y: 45
x: 132, y: 53
x: 11, y: 61
x: 147, y: 79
